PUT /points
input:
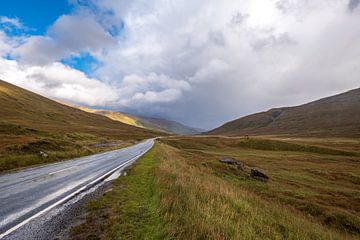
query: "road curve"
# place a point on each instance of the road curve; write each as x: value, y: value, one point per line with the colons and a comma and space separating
x: 30, y: 192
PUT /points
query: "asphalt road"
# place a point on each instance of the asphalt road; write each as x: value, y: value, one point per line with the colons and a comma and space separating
x: 30, y: 192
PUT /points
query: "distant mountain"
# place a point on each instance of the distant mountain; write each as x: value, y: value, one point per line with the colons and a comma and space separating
x: 337, y: 116
x: 157, y: 124
x: 22, y: 109
x: 167, y: 126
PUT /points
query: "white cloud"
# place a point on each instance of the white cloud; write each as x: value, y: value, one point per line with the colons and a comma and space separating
x: 10, y: 22
x: 4, y: 44
x: 238, y: 57
x: 58, y: 82
x: 202, y: 62
x: 143, y: 91
x: 69, y: 35
x: 152, y: 97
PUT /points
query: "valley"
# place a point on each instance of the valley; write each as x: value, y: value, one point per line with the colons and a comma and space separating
x: 183, y: 188
x: 187, y: 193
x: 31, y: 124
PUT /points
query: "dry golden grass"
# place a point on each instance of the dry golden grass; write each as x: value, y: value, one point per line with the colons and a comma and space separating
x: 315, y: 181
x: 116, y: 116
x: 198, y: 204
x: 23, y: 151
x: 187, y: 193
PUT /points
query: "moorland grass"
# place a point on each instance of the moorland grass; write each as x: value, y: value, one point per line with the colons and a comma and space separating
x: 323, y: 186
x: 23, y: 150
x: 187, y: 193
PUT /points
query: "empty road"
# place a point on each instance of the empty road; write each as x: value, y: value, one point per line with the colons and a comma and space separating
x: 28, y: 193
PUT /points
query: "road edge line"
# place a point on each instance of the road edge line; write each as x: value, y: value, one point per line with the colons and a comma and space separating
x: 67, y: 198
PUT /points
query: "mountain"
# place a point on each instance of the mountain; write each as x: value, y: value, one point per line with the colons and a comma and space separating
x: 23, y: 109
x: 167, y: 126
x: 337, y: 116
x: 156, y: 124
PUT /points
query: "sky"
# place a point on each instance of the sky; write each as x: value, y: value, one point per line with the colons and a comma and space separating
x: 201, y: 62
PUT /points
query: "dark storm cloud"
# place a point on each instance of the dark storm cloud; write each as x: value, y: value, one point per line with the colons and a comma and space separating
x: 353, y: 4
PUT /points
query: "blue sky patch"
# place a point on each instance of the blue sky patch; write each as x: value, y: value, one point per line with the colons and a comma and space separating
x: 85, y: 62
x: 36, y: 15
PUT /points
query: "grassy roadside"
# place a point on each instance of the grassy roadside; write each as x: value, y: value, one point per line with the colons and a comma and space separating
x: 19, y: 150
x: 177, y: 193
x: 130, y: 209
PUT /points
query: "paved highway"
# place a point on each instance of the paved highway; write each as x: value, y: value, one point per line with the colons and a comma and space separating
x: 28, y: 193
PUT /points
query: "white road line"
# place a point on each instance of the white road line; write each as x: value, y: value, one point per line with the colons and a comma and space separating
x: 72, y: 194
x: 62, y: 170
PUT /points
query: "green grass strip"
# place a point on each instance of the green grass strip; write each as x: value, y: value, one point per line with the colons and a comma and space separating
x: 129, y: 210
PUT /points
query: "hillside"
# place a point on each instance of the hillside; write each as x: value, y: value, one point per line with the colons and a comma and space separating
x: 335, y: 116
x: 21, y: 107
x: 156, y: 124
x: 31, y: 123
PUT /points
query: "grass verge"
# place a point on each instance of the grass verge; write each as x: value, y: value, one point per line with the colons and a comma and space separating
x: 129, y: 210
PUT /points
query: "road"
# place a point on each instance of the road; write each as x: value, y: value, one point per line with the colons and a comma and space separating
x: 29, y: 193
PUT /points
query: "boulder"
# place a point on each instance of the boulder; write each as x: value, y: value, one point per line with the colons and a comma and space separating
x: 231, y: 161
x: 259, y: 175
x: 43, y: 154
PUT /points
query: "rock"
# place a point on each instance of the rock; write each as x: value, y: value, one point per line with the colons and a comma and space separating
x: 228, y: 161
x: 231, y: 161
x: 259, y: 175
x: 43, y: 154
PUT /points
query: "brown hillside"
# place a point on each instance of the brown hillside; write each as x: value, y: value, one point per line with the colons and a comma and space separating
x: 31, y: 124
x: 24, y: 108
x: 336, y: 116
x: 156, y: 124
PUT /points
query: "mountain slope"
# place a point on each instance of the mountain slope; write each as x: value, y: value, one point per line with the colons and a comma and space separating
x: 26, y: 109
x: 337, y: 116
x: 36, y: 130
x: 116, y: 116
x: 156, y: 124
x: 166, y: 126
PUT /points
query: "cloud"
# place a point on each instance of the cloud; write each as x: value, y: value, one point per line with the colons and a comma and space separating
x: 152, y: 97
x: 239, y: 57
x: 69, y: 35
x: 353, y: 4
x: 139, y: 91
x: 58, y: 82
x: 11, y: 22
x: 4, y: 44
x: 201, y: 62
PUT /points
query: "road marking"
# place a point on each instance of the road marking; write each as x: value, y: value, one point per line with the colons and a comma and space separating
x: 62, y: 170
x: 99, y: 179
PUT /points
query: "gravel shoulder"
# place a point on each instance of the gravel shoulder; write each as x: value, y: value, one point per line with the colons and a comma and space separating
x: 57, y: 223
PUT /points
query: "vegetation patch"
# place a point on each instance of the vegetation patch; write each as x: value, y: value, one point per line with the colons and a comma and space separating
x: 320, y: 185
x: 130, y: 210
x: 254, y: 143
x: 19, y: 151
x: 187, y: 193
